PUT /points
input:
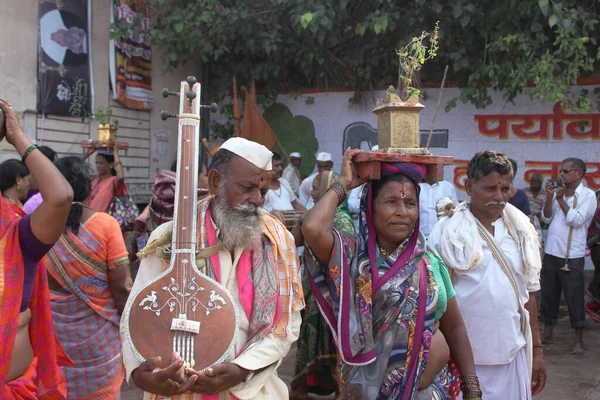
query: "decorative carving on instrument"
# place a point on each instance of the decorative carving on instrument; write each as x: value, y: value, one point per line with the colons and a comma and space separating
x: 182, y: 299
x: 183, y: 310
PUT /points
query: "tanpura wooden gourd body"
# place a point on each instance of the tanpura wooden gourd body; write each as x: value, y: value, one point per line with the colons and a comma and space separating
x: 182, y: 310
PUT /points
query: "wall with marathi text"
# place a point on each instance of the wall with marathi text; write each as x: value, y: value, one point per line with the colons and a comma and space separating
x: 537, y: 136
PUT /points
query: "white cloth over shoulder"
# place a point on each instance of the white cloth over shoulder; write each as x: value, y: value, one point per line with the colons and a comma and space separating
x: 461, y: 246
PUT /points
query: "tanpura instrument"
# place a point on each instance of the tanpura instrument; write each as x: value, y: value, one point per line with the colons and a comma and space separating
x: 183, y: 310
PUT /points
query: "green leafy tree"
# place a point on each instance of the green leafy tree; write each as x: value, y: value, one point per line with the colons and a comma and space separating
x: 287, y: 44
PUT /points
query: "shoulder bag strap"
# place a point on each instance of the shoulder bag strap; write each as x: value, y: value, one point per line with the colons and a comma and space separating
x: 507, y: 268
x: 570, y: 239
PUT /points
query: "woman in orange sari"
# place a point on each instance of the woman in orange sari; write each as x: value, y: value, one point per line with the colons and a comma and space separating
x: 110, y: 180
x: 14, y: 184
x: 89, y: 281
x: 29, y: 354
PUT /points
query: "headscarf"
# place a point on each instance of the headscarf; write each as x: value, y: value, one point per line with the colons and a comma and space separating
x: 368, y: 247
x: 163, y: 197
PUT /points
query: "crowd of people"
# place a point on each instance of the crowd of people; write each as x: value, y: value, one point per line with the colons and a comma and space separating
x: 386, y: 285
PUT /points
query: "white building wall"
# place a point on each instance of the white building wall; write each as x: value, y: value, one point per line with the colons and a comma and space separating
x: 18, y: 84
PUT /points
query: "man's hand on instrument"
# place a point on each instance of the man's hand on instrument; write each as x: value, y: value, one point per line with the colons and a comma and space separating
x: 217, y: 379
x: 166, y: 382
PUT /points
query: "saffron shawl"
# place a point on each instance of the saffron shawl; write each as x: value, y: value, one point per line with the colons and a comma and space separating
x: 381, y: 311
x: 47, y: 381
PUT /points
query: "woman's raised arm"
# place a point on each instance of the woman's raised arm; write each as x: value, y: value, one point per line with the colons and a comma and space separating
x: 318, y: 222
x: 48, y: 220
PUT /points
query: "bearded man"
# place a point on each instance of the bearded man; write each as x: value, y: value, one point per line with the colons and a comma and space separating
x: 493, y: 253
x: 238, y: 178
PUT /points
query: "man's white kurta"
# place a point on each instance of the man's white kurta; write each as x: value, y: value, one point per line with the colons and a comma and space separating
x: 268, y: 352
x: 490, y: 310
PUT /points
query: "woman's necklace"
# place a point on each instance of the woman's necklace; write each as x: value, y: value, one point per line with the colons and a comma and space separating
x: 11, y: 201
x: 383, y: 252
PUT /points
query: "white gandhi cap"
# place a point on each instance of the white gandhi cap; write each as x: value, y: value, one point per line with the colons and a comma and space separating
x: 295, y: 155
x: 323, y: 156
x: 251, y: 151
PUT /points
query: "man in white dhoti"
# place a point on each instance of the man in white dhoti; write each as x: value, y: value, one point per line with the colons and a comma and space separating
x: 493, y: 252
x: 254, y: 242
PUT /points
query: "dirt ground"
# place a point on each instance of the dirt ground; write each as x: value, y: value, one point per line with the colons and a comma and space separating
x: 569, y: 377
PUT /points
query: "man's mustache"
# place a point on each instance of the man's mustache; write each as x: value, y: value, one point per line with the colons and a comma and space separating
x: 249, y: 208
x: 495, y: 203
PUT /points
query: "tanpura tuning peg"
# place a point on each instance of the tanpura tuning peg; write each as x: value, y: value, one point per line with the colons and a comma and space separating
x: 164, y: 115
x: 190, y: 95
x: 166, y: 93
x: 191, y: 80
x: 213, y: 107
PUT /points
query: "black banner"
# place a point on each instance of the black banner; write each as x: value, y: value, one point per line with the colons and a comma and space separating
x: 64, y: 58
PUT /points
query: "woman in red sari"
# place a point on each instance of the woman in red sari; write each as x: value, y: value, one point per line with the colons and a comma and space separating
x: 14, y: 184
x: 29, y: 354
x: 110, y: 180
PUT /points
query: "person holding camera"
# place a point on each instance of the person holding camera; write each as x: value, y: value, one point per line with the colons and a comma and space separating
x: 569, y: 209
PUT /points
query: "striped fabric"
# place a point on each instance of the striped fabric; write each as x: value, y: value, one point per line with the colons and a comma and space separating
x: 86, y: 320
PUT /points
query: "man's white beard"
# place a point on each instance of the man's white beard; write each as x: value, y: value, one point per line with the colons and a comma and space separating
x: 240, y: 227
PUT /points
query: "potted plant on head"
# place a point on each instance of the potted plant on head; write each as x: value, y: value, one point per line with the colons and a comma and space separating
x: 398, y: 114
x: 107, y: 125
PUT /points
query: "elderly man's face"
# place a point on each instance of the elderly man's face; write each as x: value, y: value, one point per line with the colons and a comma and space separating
x: 324, y: 166
x: 239, y: 196
x: 244, y: 184
x: 296, y: 162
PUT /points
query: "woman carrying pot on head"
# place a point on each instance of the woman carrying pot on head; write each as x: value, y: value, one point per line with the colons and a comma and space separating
x: 387, y: 298
x: 110, y: 181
